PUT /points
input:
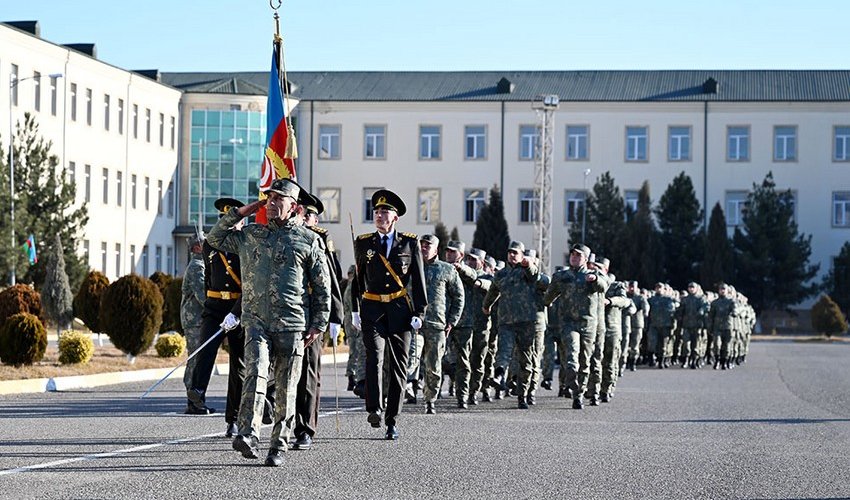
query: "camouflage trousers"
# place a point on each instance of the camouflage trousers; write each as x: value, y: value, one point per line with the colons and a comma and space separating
x: 490, y: 358
x: 461, y: 342
x: 477, y: 360
x: 577, y: 350
x: 285, y: 350
x: 414, y: 355
x: 693, y: 343
x: 610, y: 362
x: 624, y: 345
x: 193, y: 341
x: 356, y: 366
x: 433, y: 349
x: 635, y: 338
x: 660, y: 344
x: 594, y: 380
x: 678, y: 340
x: 521, y: 336
x: 537, y: 359
x: 722, y: 339
x: 550, y: 346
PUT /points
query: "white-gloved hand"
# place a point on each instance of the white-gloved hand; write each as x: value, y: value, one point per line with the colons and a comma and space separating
x: 415, y: 322
x: 334, y: 332
x: 355, y: 320
x: 230, y: 322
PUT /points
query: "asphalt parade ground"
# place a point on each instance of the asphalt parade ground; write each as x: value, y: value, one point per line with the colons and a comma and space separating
x: 778, y: 427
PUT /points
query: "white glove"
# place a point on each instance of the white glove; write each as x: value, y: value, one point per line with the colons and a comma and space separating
x: 230, y: 322
x: 415, y: 322
x: 355, y: 320
x: 334, y: 332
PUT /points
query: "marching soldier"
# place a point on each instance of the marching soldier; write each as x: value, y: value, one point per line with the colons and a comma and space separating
x: 480, y: 324
x: 516, y: 284
x: 692, y: 315
x: 579, y: 288
x: 307, y: 398
x: 721, y: 319
x: 286, y: 306
x: 662, y: 312
x: 616, y: 303
x: 638, y: 323
x: 445, y: 305
x: 355, y: 368
x: 192, y: 305
x: 461, y: 337
x: 388, y: 263
x: 222, y: 308
x: 550, y: 344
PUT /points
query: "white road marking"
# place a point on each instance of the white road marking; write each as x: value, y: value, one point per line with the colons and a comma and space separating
x: 86, y: 458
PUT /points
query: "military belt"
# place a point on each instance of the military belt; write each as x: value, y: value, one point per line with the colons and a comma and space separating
x: 223, y: 295
x: 384, y: 297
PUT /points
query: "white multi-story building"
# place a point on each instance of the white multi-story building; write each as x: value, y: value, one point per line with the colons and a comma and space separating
x: 116, y: 133
x: 442, y: 139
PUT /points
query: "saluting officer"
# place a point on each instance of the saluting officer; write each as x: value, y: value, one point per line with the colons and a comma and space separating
x: 223, y: 283
x: 307, y: 397
x: 388, y: 263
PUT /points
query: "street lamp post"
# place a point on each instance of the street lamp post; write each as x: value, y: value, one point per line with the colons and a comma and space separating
x: 13, y: 82
x: 584, y: 208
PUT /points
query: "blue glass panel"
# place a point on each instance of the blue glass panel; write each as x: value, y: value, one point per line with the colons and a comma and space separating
x: 241, y: 170
x: 226, y: 170
x: 213, y: 135
x: 254, y: 119
x: 213, y: 118
x: 241, y: 119
x: 212, y: 171
x: 199, y: 117
x: 226, y: 188
x: 198, y: 134
x: 227, y: 119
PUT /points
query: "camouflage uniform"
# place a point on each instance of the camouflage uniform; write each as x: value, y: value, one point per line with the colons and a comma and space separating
x: 721, y: 319
x: 638, y: 324
x: 191, y: 308
x: 594, y: 380
x: 516, y: 285
x: 445, y: 305
x: 481, y: 331
x: 462, y: 333
x: 540, y: 323
x: 550, y: 342
x: 617, y: 303
x: 692, y: 315
x: 579, y: 317
x: 626, y: 333
x: 662, y: 322
x: 286, y: 291
x: 356, y: 366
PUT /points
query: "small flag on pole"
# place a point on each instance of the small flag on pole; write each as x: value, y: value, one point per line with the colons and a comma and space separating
x: 29, y: 249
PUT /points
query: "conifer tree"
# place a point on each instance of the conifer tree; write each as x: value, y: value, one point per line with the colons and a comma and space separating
x: 716, y: 267
x: 837, y: 282
x: 491, y: 229
x: 680, y: 221
x: 643, y: 255
x: 442, y: 234
x: 605, y: 225
x: 56, y: 292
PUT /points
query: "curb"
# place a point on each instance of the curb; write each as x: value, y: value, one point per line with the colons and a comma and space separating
x: 56, y: 384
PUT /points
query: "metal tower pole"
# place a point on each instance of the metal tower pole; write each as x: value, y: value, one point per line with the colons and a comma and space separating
x: 543, y: 177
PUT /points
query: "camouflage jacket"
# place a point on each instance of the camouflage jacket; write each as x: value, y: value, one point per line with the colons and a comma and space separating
x: 542, y: 318
x: 194, y: 294
x: 445, y: 295
x: 346, y: 306
x: 579, y: 299
x: 482, y: 321
x: 516, y: 285
x: 641, y: 312
x: 662, y: 311
x: 617, y: 302
x: 722, y: 314
x: 285, y: 279
x: 694, y: 311
x: 468, y: 276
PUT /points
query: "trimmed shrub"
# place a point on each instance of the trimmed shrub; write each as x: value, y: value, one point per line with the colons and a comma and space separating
x: 20, y: 299
x: 131, y: 313
x: 170, y: 345
x: 87, y: 300
x: 23, y: 339
x: 827, y: 317
x: 75, y: 348
x: 161, y: 280
x: 171, y: 306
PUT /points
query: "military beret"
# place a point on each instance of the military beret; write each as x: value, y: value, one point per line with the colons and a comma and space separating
x: 387, y: 199
x: 457, y: 246
x: 224, y: 205
x: 582, y: 249
x: 430, y: 238
x: 516, y: 246
x: 477, y: 253
x: 285, y: 187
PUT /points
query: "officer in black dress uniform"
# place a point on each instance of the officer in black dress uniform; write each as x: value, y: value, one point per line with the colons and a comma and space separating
x: 390, y: 301
x: 223, y: 283
x: 307, y: 397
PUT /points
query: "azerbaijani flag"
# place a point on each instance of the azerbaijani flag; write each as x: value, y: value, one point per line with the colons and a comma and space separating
x: 276, y: 165
x: 29, y: 249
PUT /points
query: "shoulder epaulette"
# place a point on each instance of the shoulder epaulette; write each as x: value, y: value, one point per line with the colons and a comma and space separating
x: 317, y: 229
x: 364, y: 236
x: 412, y: 236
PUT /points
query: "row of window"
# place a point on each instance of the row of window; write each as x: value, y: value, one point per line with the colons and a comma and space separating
x: 429, y: 200
x: 679, y: 142
x: 140, y: 266
x: 166, y: 198
x: 107, y: 108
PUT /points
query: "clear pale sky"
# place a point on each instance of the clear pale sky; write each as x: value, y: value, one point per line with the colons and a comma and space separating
x: 336, y: 35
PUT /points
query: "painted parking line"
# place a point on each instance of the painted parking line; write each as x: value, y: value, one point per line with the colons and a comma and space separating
x: 135, y: 449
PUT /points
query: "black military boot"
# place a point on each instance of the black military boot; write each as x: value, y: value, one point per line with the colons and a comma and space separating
x: 546, y: 384
x: 247, y: 446
x: 577, y: 404
x: 360, y: 389
x: 485, y: 395
x: 351, y: 383
x: 274, y: 458
x: 530, y: 398
x: 716, y: 363
x: 472, y: 400
x: 498, y: 378
x: 429, y: 408
x: 605, y: 397
x: 522, y: 404
x: 462, y: 404
x: 561, y: 391
x: 724, y: 363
